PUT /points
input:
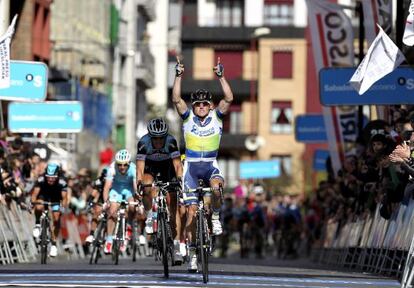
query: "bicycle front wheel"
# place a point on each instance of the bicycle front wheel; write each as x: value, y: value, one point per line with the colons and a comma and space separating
x: 164, y: 242
x: 43, y: 241
x: 204, y: 245
x: 97, y: 243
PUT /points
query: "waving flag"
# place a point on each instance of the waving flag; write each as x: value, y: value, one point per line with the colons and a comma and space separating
x: 5, y: 40
x: 382, y: 58
x: 408, y: 38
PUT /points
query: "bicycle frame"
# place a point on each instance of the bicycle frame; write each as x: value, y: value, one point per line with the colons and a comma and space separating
x: 163, y: 240
x: 46, y: 229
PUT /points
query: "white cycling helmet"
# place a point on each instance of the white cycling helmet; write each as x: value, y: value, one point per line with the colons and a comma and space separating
x: 122, y: 157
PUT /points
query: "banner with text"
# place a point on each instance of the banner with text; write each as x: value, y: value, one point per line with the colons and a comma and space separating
x: 62, y: 116
x: 310, y: 129
x: 333, y: 46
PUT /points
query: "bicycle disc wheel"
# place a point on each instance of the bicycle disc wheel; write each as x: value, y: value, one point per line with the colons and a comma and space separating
x: 43, y: 242
x: 164, y: 248
x: 202, y: 229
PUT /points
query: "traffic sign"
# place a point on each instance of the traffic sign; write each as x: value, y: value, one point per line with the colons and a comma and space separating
x: 310, y: 129
x: 395, y: 88
x: 259, y: 169
x: 28, y: 82
x: 61, y: 116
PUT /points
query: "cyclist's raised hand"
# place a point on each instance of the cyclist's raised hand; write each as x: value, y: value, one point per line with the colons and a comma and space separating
x: 179, y: 68
x: 219, y: 68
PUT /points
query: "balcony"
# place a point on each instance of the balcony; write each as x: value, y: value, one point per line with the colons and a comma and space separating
x: 148, y: 7
x: 144, y: 67
x: 235, y: 34
x: 240, y: 88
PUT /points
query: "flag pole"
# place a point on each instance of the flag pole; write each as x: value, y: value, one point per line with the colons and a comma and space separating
x: 361, y: 37
x: 399, y: 24
x: 4, y: 24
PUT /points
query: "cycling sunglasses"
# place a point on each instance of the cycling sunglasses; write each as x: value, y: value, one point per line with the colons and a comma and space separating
x: 122, y: 165
x: 204, y: 103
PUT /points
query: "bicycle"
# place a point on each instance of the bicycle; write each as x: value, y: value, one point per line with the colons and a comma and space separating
x: 163, y: 242
x: 204, y: 243
x: 45, y: 229
x: 120, y: 229
x: 99, y: 238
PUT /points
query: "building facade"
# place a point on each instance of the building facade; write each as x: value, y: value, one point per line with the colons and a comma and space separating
x: 133, y: 69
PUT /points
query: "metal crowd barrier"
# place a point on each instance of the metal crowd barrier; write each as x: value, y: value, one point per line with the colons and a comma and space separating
x: 373, y: 244
x: 16, y: 241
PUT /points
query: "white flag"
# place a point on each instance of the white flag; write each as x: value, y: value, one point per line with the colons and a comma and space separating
x: 408, y: 38
x: 5, y: 40
x: 382, y: 58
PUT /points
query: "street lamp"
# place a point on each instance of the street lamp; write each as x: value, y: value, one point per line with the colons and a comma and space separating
x: 257, y: 33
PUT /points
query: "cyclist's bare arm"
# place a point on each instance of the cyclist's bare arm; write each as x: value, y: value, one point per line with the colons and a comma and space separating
x: 140, y: 169
x: 107, y: 187
x: 35, y: 193
x: 176, y: 92
x: 65, y: 202
x: 95, y: 194
x: 225, y: 103
x: 178, y: 167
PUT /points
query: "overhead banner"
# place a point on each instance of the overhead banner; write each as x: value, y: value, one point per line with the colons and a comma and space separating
x: 310, y: 129
x: 333, y: 46
x: 59, y: 117
x: 377, y: 12
x: 395, y: 88
x: 259, y: 169
x: 28, y: 82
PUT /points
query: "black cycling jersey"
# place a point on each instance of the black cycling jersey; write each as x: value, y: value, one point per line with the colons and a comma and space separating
x: 52, y: 193
x: 98, y: 185
x: 158, y: 162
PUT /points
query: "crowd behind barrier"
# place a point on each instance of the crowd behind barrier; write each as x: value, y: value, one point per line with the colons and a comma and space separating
x: 365, y: 212
x: 20, y: 167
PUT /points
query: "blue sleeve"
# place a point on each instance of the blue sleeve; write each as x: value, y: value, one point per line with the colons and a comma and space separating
x: 185, y: 115
x: 219, y: 114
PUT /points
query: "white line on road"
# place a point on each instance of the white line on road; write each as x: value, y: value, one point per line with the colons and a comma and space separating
x: 215, y: 277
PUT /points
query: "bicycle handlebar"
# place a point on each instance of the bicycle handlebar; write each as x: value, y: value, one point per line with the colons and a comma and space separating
x: 45, y: 203
x: 161, y: 184
x: 204, y: 189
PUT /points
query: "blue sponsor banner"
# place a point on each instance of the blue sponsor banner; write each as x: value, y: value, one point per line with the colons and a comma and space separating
x: 59, y: 116
x: 319, y: 160
x: 259, y: 169
x: 28, y: 82
x: 395, y: 88
x: 310, y: 129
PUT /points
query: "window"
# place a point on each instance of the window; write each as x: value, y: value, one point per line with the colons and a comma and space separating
x: 282, y: 64
x: 229, y: 13
x: 281, y: 117
x: 233, y: 61
x: 233, y: 122
x: 229, y: 167
x: 285, y: 163
x: 278, y: 12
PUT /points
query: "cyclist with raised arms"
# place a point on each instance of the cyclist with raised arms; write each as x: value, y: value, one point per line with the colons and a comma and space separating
x: 158, y: 156
x: 202, y: 128
x: 50, y: 187
x: 120, y: 184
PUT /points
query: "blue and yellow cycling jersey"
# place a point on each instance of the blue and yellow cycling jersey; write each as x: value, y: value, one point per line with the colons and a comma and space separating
x: 202, y: 140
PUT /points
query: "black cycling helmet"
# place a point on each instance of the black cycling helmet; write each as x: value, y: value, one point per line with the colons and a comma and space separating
x: 104, y: 172
x: 52, y: 170
x: 157, y: 127
x: 201, y: 95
